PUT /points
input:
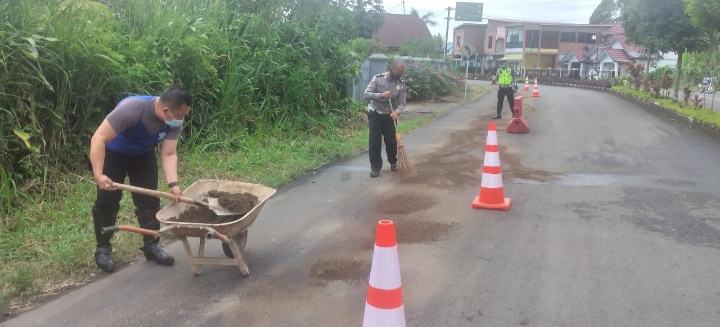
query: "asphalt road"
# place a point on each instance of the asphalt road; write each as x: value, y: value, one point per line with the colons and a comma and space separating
x: 614, y: 222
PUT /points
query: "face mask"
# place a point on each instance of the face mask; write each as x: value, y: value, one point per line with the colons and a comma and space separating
x: 396, y: 76
x: 174, y: 122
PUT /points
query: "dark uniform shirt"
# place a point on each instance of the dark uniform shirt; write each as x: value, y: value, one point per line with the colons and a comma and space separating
x: 379, y: 84
x: 138, y: 129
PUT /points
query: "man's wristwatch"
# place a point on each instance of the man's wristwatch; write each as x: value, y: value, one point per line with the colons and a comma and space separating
x: 173, y: 184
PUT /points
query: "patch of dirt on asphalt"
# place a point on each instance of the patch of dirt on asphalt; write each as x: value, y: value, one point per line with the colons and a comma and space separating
x: 409, y: 231
x: 240, y: 203
x: 341, y: 269
x: 418, y: 231
x: 451, y: 166
x: 407, y: 202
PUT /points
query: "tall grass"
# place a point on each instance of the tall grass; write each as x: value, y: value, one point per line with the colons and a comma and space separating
x: 251, y: 65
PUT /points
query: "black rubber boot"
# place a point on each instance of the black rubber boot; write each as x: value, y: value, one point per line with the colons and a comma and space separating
x: 103, y: 252
x: 153, y: 252
x: 103, y: 258
x: 151, y: 249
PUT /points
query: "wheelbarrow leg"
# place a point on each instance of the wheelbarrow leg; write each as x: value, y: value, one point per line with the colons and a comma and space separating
x: 201, y: 253
x: 196, y: 269
x: 237, y: 245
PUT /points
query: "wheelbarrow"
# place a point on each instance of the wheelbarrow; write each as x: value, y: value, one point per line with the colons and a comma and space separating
x: 232, y: 235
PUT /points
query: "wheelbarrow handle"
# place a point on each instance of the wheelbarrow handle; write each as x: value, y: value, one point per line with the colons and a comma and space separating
x: 159, y: 194
x: 147, y: 232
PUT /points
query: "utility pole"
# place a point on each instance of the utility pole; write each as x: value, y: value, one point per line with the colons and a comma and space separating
x: 447, y: 30
x: 403, y: 3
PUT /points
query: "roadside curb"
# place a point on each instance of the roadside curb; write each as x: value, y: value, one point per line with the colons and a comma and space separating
x: 654, y: 107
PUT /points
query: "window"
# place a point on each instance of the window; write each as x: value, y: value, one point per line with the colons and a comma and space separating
x: 533, y: 39
x: 549, y: 40
x: 514, y: 40
x: 586, y: 38
x: 568, y: 37
x: 490, y: 42
x: 458, y: 42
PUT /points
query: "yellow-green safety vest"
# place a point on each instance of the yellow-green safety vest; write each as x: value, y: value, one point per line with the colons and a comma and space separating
x: 505, y: 76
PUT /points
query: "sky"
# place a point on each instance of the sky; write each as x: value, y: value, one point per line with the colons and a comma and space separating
x: 562, y: 11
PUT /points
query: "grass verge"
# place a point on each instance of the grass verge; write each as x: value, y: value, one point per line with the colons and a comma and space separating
x: 705, y: 116
x: 47, y: 245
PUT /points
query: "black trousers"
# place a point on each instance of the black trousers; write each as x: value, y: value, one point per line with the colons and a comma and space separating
x: 506, y: 92
x: 381, y: 126
x: 142, y: 170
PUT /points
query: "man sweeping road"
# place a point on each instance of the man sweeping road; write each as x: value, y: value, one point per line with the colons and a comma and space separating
x: 382, y: 89
x: 124, y: 145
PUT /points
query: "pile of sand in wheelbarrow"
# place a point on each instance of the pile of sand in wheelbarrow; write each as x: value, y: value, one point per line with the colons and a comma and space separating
x: 240, y: 203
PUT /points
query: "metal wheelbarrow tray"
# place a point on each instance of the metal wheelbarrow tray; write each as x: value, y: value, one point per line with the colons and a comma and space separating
x: 233, y: 234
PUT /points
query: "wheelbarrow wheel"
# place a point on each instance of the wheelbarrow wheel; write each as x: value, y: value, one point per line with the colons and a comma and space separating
x: 240, y: 239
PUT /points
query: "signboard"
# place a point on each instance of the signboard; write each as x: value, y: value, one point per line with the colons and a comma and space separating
x: 468, y: 50
x: 468, y: 11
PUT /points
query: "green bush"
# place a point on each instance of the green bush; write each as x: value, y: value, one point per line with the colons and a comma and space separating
x: 250, y: 65
x: 619, y: 81
x: 658, y: 74
x: 424, y: 81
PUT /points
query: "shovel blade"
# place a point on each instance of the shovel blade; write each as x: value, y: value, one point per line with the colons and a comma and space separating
x: 218, y: 209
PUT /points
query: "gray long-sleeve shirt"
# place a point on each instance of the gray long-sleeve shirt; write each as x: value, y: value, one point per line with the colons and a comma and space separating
x: 379, y: 84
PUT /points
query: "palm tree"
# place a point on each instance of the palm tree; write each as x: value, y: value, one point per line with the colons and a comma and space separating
x: 427, y: 18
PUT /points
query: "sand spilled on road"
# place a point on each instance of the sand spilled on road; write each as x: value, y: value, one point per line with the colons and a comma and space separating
x: 341, y: 269
x: 451, y: 165
x: 407, y: 202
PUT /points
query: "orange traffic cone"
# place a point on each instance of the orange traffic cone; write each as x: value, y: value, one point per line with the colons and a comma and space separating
x: 384, y: 306
x: 536, y: 91
x: 491, y: 187
x: 527, y: 86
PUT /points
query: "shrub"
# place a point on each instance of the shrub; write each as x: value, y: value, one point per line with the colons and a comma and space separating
x: 66, y: 64
x: 660, y: 72
x: 666, y: 82
x: 637, y: 72
x: 619, y: 81
x: 424, y: 81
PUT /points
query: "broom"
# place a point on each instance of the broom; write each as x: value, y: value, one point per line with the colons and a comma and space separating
x: 405, y: 164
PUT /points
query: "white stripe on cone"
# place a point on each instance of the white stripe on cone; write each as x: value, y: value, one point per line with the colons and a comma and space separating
x: 491, y: 181
x: 375, y: 317
x: 385, y: 271
x: 492, y: 138
x: 492, y: 159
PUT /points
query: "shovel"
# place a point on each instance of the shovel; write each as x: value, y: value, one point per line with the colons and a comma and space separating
x: 212, y: 203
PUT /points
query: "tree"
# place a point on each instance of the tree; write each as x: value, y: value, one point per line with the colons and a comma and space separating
x: 422, y: 47
x: 366, y: 15
x: 605, y: 13
x: 705, y: 14
x: 427, y: 18
x: 608, y: 11
x: 662, y: 26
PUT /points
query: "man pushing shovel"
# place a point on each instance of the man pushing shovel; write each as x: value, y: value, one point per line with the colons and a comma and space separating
x: 124, y: 146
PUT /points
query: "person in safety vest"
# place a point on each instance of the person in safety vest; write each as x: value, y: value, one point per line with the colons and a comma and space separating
x: 506, y: 83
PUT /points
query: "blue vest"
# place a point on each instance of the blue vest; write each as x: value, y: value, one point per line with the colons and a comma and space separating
x: 136, y: 140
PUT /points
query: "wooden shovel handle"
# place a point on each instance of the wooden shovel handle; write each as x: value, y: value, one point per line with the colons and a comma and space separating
x: 145, y: 191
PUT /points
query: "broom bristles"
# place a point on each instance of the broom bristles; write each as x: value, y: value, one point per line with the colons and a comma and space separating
x: 405, y: 164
